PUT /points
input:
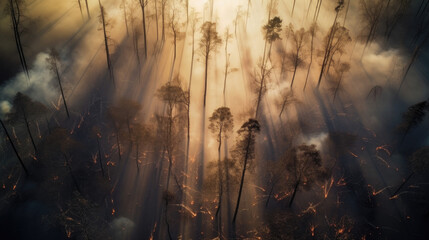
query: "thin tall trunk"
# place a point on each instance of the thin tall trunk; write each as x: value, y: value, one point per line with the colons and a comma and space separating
x: 311, y: 61
x: 249, y: 138
x: 403, y: 184
x: 308, y: 8
x: 119, y: 146
x: 61, y: 88
x: 16, y: 15
x: 156, y: 20
x: 293, y: 7
x: 100, y: 157
x: 205, y: 76
x: 14, y: 148
x: 347, y: 11
x: 338, y: 87
x: 317, y: 10
x: 29, y: 132
x: 87, y: 9
x: 106, y: 44
x: 226, y: 67
x: 327, y: 51
x: 270, y: 194
x: 188, y: 135
x: 144, y: 27
x: 218, y: 210
x: 413, y: 58
x: 163, y: 2
x: 71, y: 174
x: 263, y: 68
x: 247, y: 14
x: 293, y: 76
x: 80, y: 8
x: 125, y: 18
x: 294, y: 193
x: 137, y: 156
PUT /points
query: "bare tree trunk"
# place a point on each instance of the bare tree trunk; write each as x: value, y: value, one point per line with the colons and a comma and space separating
x: 218, y: 214
x: 137, y: 156
x: 327, y: 51
x: 293, y: 76
x: 246, y: 158
x: 226, y: 68
x: 61, y: 88
x: 29, y: 132
x: 311, y: 61
x: 247, y: 13
x: 15, y: 14
x: 119, y: 145
x: 338, y: 86
x: 188, y: 135
x: 106, y: 45
x: 71, y: 174
x: 80, y: 8
x: 347, y: 11
x: 163, y: 2
x: 308, y: 8
x: 87, y: 9
x: 100, y: 157
x: 413, y: 58
x: 317, y: 10
x: 263, y: 68
x: 14, y: 148
x: 144, y: 27
x: 156, y: 20
x: 205, y: 76
x: 125, y: 17
x: 293, y: 7
x: 403, y: 184
x: 294, y: 193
